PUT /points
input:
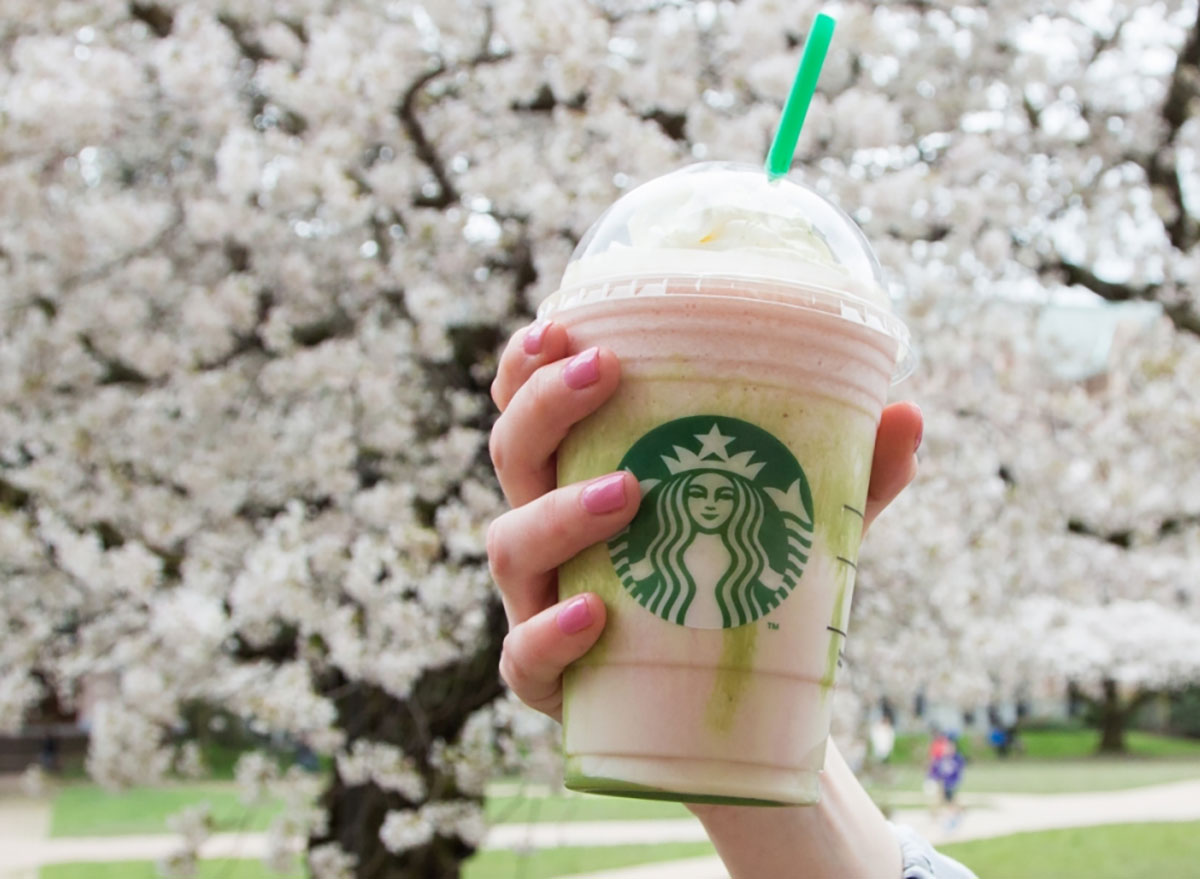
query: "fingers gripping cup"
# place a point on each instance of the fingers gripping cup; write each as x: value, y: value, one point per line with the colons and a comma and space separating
x: 757, y: 347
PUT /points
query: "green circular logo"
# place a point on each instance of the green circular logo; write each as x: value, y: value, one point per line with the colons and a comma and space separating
x: 725, y: 525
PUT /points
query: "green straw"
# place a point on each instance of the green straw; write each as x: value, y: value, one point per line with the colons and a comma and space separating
x: 783, y: 147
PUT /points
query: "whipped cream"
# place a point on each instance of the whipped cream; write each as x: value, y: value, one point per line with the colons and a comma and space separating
x: 727, y: 221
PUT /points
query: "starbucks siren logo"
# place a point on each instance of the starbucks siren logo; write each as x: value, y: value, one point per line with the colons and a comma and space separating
x: 725, y: 526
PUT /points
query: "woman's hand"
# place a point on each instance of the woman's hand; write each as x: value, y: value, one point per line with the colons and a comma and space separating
x: 542, y: 392
x: 545, y: 385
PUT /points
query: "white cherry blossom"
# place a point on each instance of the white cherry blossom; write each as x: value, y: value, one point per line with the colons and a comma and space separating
x: 258, y: 260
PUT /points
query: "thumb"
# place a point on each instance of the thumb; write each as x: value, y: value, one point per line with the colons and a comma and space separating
x: 537, y: 650
x: 895, y: 462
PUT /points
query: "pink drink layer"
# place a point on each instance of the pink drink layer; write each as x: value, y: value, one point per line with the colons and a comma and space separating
x: 737, y: 714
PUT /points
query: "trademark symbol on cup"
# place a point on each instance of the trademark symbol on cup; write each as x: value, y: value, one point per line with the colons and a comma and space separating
x: 773, y: 626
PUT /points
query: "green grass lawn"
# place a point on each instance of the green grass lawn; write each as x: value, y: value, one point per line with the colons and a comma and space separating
x: 1060, y: 744
x: 1125, y: 851
x: 89, y: 810
x: 214, y: 869
x: 552, y: 863
x: 1053, y: 744
x: 1013, y: 776
x: 541, y: 864
x: 568, y: 806
x: 1046, y: 776
x: 1054, y: 761
x: 1119, y: 851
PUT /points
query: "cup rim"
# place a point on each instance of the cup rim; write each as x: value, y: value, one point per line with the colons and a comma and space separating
x: 806, y: 296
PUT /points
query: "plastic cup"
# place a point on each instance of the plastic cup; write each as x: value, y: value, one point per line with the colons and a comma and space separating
x: 757, y: 347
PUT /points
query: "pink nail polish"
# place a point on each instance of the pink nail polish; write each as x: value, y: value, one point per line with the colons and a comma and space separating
x: 533, y: 339
x: 604, y: 495
x: 575, y: 616
x: 582, y: 369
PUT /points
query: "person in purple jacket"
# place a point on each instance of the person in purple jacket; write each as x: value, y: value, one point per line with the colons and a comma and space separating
x: 947, y: 770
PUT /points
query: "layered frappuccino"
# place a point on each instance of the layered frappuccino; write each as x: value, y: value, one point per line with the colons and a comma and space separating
x: 757, y: 348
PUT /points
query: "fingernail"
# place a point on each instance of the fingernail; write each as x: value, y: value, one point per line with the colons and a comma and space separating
x: 582, y: 369
x: 920, y: 436
x: 533, y: 338
x: 575, y: 617
x: 604, y: 495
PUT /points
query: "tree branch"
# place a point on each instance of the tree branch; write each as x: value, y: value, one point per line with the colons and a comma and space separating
x: 116, y: 371
x: 1160, y: 166
x: 154, y: 16
x: 1076, y: 275
x: 1184, y: 84
x: 406, y: 110
x: 1182, y: 313
x: 13, y: 497
x: 155, y: 244
x: 1141, y: 698
x: 240, y: 33
x: 1125, y: 537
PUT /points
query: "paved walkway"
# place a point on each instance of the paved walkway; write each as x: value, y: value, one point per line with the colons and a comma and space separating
x: 692, y: 868
x: 17, y: 855
x: 1003, y: 814
x: 22, y: 820
x: 24, y: 846
x: 1018, y: 813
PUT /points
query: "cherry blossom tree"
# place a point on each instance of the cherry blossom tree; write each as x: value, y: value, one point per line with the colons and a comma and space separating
x: 1054, y: 525
x: 258, y: 259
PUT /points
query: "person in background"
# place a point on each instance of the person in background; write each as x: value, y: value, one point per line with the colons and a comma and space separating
x: 937, y: 747
x: 998, y: 739
x: 48, y: 755
x: 883, y: 739
x: 947, y: 771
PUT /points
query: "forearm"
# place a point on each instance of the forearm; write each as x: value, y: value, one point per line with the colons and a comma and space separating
x: 845, y: 836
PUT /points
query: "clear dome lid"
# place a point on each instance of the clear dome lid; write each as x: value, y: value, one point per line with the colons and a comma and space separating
x: 719, y: 228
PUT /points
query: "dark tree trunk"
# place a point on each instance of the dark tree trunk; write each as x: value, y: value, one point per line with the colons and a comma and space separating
x: 355, y: 816
x: 1112, y: 719
x: 443, y: 698
x: 438, y: 706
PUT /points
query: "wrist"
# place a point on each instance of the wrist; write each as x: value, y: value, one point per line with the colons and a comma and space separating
x: 841, y: 837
